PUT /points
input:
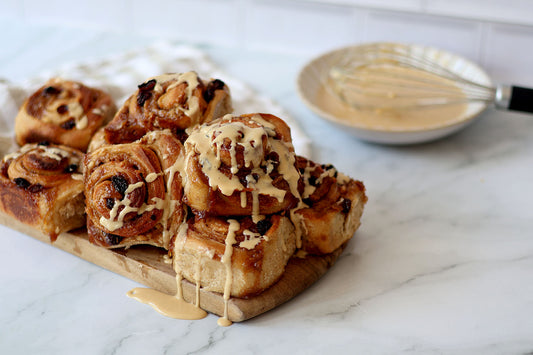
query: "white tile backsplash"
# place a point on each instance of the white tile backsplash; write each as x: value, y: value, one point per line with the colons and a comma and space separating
x: 406, y: 5
x: 498, y: 34
x: 298, y: 26
x: 511, y: 11
x: 509, y: 54
x: 11, y: 8
x: 102, y: 14
x: 201, y: 20
x: 455, y: 35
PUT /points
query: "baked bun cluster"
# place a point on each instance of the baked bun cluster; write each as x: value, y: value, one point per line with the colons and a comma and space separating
x: 225, y: 194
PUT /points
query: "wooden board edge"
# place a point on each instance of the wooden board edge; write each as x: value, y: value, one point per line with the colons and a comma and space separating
x: 146, y: 265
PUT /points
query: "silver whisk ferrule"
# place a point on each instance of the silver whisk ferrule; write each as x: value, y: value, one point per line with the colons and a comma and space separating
x: 502, y: 97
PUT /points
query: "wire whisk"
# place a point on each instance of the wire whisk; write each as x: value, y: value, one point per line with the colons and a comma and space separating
x: 392, y: 76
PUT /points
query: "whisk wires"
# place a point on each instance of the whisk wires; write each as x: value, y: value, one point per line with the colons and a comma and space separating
x: 392, y: 76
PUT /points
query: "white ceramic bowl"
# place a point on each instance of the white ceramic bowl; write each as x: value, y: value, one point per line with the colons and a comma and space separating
x: 310, y: 80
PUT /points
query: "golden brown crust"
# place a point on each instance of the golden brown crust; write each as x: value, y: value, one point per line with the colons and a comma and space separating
x: 133, y: 193
x: 63, y: 112
x: 334, y: 205
x: 98, y: 140
x: 172, y: 101
x: 242, y: 158
x: 256, y: 263
x: 41, y: 186
x: 220, y: 104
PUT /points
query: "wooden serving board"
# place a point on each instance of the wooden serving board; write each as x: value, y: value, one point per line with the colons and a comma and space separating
x: 146, y: 265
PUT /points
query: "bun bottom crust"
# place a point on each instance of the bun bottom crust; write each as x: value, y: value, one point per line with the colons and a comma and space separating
x: 326, y: 229
x: 98, y: 237
x: 53, y: 211
x: 199, y: 258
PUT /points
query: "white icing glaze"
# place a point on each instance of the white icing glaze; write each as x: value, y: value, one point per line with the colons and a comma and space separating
x: 167, y: 305
x: 192, y: 107
x: 24, y: 149
x: 82, y: 123
x: 115, y: 222
x: 152, y: 177
x: 75, y: 109
x: 53, y: 152
x: 169, y: 204
x: 179, y: 243
x: 197, y: 278
x: 251, y: 240
x: 243, y: 199
x: 226, y: 260
x: 205, y: 143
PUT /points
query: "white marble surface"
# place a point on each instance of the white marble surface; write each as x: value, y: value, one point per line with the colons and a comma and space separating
x: 443, y: 263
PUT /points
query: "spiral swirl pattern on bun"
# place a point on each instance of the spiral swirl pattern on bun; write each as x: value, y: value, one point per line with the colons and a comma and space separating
x: 41, y: 185
x: 133, y: 191
x: 40, y: 166
x: 63, y: 112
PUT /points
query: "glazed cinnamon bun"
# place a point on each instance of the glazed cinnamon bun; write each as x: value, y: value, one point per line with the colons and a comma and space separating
x: 235, y: 257
x: 170, y: 101
x: 241, y: 166
x: 63, y: 112
x: 41, y: 185
x: 133, y: 191
x: 332, y: 207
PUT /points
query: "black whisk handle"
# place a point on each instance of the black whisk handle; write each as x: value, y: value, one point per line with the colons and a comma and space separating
x: 521, y: 99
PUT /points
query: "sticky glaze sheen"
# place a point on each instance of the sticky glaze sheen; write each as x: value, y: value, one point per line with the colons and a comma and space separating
x: 388, y: 100
x: 167, y: 305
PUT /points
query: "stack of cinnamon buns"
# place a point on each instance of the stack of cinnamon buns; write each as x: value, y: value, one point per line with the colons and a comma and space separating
x: 224, y: 194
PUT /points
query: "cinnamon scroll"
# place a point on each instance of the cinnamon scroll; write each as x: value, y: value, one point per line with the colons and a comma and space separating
x: 171, y: 101
x: 332, y: 205
x: 41, y: 185
x: 241, y: 166
x: 63, y: 112
x: 241, y: 183
x: 133, y: 191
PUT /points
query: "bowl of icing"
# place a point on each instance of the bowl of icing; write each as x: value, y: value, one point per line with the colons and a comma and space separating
x: 389, y: 126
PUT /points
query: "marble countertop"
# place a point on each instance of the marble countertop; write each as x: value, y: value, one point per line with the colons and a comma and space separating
x: 442, y: 264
